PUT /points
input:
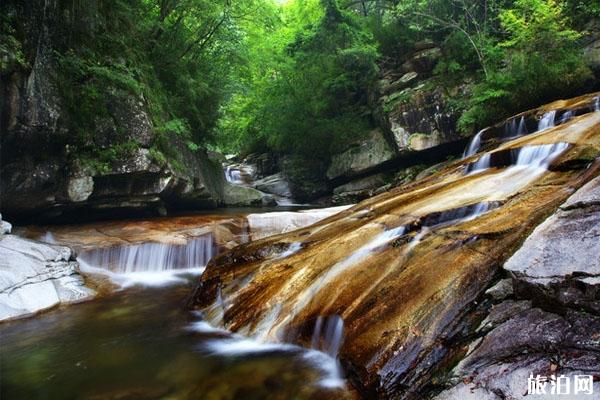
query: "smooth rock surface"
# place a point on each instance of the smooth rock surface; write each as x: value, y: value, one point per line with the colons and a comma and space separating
x: 560, y: 261
x: 241, y: 196
x: 36, y: 276
x: 275, y: 184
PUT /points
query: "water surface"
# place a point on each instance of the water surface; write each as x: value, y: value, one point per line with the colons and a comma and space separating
x: 140, y: 343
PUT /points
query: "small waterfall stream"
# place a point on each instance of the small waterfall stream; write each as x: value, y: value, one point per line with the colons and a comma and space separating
x: 152, y: 257
x: 547, y: 120
x: 513, y: 129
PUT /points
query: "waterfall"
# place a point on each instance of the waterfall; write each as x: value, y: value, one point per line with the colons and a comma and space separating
x: 484, y: 162
x: 522, y: 129
x: 540, y: 156
x: 328, y: 334
x: 474, y: 145
x: 547, y: 120
x: 597, y: 103
x: 567, y: 115
x: 152, y: 257
x: 532, y: 156
x: 512, y: 128
x: 233, y: 175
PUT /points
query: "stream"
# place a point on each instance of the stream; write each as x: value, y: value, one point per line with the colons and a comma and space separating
x: 140, y: 342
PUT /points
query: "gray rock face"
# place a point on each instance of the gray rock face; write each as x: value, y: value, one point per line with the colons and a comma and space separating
x: 359, y: 189
x: 559, y: 262
x: 361, y: 157
x: 501, y: 290
x: 36, y: 276
x: 531, y: 341
x: 241, y: 196
x: 275, y: 184
x: 42, y: 174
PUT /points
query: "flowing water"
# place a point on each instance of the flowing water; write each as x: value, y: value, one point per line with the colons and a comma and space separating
x: 140, y: 343
x: 547, y: 120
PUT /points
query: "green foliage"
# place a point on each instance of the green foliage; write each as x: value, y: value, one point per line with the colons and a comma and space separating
x: 11, y: 50
x: 542, y: 61
x: 309, y: 96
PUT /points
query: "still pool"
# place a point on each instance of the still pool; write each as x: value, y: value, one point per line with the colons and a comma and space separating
x: 142, y: 343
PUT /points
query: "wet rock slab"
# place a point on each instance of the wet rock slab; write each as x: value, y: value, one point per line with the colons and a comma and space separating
x: 404, y: 269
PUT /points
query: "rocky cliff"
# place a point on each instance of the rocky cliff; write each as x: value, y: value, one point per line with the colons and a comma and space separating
x: 48, y: 170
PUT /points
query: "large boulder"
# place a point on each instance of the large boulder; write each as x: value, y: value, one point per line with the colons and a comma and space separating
x: 531, y: 342
x: 556, y: 261
x: 242, y: 196
x: 35, y: 276
x: 275, y: 184
x: 361, y: 157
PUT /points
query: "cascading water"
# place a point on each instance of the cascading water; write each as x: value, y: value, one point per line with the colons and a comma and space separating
x: 533, y: 156
x: 597, y: 104
x: 484, y: 162
x: 152, y: 257
x: 233, y: 175
x: 547, y: 120
x: 328, y: 334
x: 474, y: 145
x: 514, y: 128
x: 151, y: 264
x: 567, y: 115
x: 541, y: 155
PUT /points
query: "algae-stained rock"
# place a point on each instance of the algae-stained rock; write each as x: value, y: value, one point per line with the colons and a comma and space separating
x: 560, y: 261
x: 402, y: 269
x: 361, y: 157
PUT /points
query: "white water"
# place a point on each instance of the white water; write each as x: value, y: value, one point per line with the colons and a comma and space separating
x: 149, y: 264
x: 532, y: 156
x: 233, y: 175
x: 152, y: 257
x: 597, y: 104
x: 567, y: 115
x: 482, y: 163
x: 474, y: 145
x: 328, y: 334
x: 540, y: 156
x: 547, y: 120
x: 236, y: 345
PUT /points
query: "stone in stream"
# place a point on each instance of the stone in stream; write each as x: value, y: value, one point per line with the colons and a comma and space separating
x: 35, y: 276
x: 406, y: 270
x: 275, y: 184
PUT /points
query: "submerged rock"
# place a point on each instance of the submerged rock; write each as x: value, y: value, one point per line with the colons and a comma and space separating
x: 36, y: 276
